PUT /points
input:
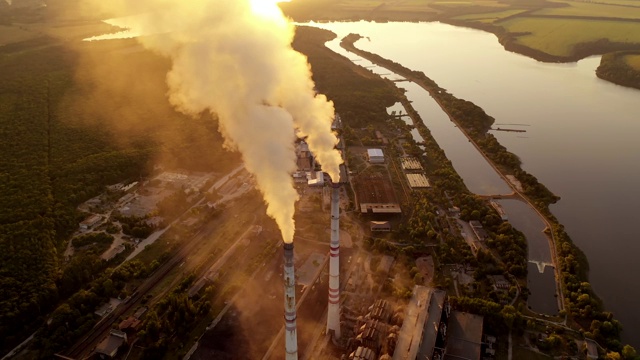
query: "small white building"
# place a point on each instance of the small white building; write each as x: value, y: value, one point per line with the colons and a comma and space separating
x: 315, y: 178
x: 375, y: 156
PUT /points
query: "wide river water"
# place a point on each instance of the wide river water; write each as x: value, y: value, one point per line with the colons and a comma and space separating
x: 581, y: 137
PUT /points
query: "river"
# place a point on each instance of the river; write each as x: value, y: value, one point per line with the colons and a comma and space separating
x: 580, y: 140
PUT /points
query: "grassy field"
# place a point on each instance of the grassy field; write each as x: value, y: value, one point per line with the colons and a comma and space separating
x: 560, y: 36
x: 399, y: 10
x: 489, y: 17
x: 633, y: 61
x: 631, y: 3
x: 554, y: 30
x: 70, y: 31
x: 575, y: 8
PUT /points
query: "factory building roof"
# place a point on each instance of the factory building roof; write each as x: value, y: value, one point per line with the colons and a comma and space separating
x: 464, y: 336
x: 410, y: 163
x: 380, y: 226
x: 413, y: 324
x: 140, y: 312
x: 304, y: 163
x: 90, y: 221
x: 110, y: 345
x: 417, y: 336
x: 375, y: 195
x: 418, y: 181
x: 380, y: 208
x: 477, y: 228
x: 375, y: 156
x: 432, y: 324
x: 380, y: 310
x: 363, y: 353
x: 315, y: 178
x: 129, y: 324
x: 375, y: 152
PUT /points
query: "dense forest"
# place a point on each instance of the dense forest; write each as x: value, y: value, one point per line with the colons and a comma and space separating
x: 68, y: 131
x: 360, y: 97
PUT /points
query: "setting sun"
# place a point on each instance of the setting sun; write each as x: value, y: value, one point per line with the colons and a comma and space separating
x: 267, y: 8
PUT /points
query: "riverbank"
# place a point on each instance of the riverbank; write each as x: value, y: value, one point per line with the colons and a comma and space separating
x: 437, y: 94
x: 509, y: 40
x: 581, y: 304
x: 548, y: 31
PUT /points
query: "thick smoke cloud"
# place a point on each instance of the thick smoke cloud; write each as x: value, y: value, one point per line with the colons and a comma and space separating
x: 233, y: 58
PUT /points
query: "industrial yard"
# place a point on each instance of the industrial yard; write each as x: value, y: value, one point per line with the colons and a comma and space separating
x: 379, y: 306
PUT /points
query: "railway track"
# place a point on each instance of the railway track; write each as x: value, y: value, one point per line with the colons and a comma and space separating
x: 83, y: 348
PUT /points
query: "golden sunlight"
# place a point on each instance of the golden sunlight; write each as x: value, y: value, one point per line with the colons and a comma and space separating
x: 267, y: 8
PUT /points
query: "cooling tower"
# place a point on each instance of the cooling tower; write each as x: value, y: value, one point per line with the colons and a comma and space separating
x: 333, y: 316
x: 291, y: 336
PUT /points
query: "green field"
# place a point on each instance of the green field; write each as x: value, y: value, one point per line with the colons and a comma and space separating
x: 489, y: 17
x: 631, y: 3
x: 560, y: 36
x: 633, y: 61
x: 590, y: 9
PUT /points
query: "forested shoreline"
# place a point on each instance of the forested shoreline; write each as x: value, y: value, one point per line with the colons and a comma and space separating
x: 581, y: 303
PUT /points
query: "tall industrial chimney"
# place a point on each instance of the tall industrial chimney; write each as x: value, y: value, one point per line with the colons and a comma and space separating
x: 333, y: 316
x: 291, y: 336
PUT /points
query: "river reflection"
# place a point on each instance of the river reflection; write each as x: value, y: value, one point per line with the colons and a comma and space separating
x: 482, y: 179
x: 479, y: 177
x: 581, y: 140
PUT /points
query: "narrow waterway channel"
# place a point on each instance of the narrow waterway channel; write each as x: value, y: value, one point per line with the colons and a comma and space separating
x: 482, y: 179
x: 541, y: 270
x: 581, y: 137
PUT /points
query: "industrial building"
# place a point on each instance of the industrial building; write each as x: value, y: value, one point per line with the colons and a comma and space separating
x: 375, y: 195
x: 420, y: 329
x: 478, y: 230
x: 379, y: 226
x: 410, y: 163
x: 315, y: 178
x: 363, y: 353
x: 90, y: 222
x: 108, y: 348
x: 418, y: 181
x: 304, y: 157
x: 464, y: 336
x: 375, y: 156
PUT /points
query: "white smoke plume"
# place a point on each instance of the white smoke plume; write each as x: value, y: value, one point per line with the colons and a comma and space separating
x: 234, y: 59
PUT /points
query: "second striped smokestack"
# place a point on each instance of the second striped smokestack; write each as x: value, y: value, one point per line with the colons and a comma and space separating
x: 290, y: 333
x: 333, y: 316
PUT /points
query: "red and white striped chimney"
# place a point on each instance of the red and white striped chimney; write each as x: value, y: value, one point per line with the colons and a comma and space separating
x: 290, y: 333
x: 333, y: 316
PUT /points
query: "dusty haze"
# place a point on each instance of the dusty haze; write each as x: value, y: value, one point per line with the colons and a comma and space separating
x: 236, y: 62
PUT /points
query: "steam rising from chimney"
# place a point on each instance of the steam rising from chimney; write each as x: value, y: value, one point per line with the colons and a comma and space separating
x: 233, y: 58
